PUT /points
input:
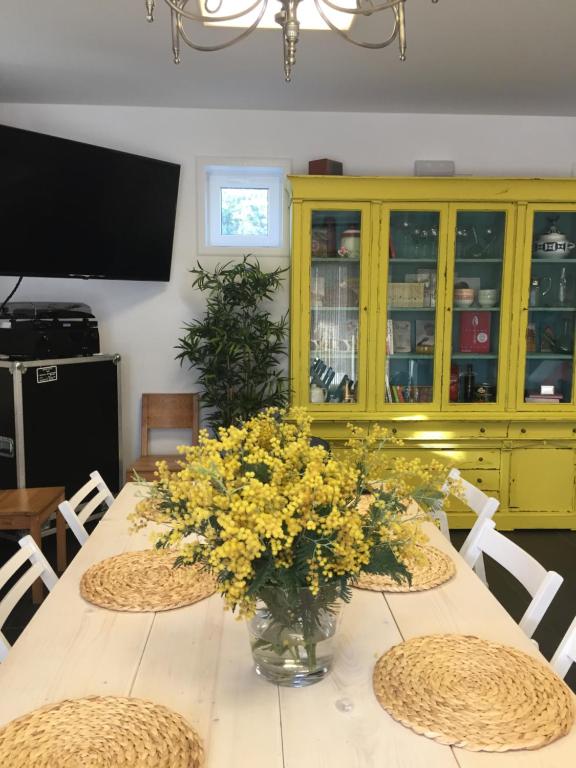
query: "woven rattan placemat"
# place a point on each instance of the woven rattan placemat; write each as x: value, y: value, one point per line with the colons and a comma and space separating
x: 435, y: 568
x: 100, y: 732
x: 145, y: 581
x: 472, y: 693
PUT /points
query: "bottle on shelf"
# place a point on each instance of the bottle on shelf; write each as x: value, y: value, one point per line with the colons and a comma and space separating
x: 563, y: 289
x: 564, y: 342
x: 468, y: 384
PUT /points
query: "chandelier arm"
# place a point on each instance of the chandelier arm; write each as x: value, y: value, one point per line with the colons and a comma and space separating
x: 179, y: 8
x: 220, y: 46
x: 399, y: 13
x: 360, y: 43
x: 175, y: 36
x: 363, y: 11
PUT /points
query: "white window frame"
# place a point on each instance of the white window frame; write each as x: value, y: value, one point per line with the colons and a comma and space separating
x: 214, y: 174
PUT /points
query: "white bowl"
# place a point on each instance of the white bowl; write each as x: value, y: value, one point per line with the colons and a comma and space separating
x: 464, y: 302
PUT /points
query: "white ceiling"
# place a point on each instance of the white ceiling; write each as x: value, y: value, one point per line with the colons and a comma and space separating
x: 464, y: 56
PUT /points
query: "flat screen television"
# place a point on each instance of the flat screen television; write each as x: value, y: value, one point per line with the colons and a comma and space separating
x: 69, y: 209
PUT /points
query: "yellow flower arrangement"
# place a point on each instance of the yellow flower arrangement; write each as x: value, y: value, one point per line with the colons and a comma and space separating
x: 263, y: 509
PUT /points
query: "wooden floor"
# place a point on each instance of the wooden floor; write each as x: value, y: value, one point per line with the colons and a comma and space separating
x: 556, y: 550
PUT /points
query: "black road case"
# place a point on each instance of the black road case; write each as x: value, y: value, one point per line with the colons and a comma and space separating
x: 59, y: 421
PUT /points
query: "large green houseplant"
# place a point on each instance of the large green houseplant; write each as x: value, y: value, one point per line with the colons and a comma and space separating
x: 237, y: 347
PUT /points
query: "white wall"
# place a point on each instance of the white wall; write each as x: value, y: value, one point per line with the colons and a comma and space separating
x: 142, y: 321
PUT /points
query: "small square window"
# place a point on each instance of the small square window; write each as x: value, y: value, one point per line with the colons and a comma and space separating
x: 243, y: 207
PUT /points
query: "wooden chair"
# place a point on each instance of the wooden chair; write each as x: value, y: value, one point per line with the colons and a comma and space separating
x: 565, y: 654
x: 78, y: 509
x: 481, y: 504
x: 39, y: 569
x: 541, y: 584
x: 27, y: 509
x: 177, y: 411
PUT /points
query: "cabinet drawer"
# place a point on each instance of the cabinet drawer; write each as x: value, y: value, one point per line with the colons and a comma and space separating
x: 542, y: 430
x: 457, y: 505
x: 487, y: 480
x: 431, y: 430
x: 472, y: 459
x: 466, y: 459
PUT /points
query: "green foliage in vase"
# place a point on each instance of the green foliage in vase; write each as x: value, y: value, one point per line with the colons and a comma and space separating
x: 237, y: 348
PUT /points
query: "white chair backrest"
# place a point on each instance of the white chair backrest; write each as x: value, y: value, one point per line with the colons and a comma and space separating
x: 541, y: 584
x: 39, y: 568
x: 565, y: 654
x: 482, y: 505
x: 76, y: 519
x: 479, y: 502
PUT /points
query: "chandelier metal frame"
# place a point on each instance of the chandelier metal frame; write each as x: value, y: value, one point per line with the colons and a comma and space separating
x: 287, y: 18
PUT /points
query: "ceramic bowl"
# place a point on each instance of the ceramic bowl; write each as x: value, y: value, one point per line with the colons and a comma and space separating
x: 464, y: 297
x: 488, y: 297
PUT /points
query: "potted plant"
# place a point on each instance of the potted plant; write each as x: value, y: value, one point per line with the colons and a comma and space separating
x: 237, y: 347
x: 281, y: 525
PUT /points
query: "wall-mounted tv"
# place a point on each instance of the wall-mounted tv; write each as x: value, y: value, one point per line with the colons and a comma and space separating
x: 69, y: 209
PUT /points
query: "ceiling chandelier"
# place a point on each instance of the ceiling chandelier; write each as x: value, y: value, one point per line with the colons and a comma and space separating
x: 211, y: 13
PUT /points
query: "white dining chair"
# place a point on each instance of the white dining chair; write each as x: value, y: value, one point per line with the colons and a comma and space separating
x: 40, y: 568
x: 541, y: 584
x: 78, y: 509
x: 565, y: 654
x: 480, y: 503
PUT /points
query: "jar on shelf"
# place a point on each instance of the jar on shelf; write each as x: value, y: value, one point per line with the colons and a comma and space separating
x: 350, y: 244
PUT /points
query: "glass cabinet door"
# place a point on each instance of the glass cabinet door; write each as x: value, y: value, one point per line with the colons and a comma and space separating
x: 551, y: 310
x: 411, y: 307
x: 476, y: 354
x: 336, y: 245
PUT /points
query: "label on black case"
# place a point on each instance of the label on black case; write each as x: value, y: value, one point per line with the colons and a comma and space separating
x: 44, y: 375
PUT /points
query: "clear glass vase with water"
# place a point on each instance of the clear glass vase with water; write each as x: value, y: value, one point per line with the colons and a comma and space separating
x: 292, y: 634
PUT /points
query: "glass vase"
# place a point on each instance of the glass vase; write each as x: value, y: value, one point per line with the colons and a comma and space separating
x: 292, y: 634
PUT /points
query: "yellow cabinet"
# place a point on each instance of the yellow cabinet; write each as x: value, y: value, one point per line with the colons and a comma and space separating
x: 552, y: 491
x: 444, y: 309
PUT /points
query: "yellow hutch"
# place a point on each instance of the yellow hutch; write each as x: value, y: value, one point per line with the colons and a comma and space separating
x: 444, y: 309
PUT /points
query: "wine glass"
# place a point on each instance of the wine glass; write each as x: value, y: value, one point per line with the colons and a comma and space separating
x: 404, y: 236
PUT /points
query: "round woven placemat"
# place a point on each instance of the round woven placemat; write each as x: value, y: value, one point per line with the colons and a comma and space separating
x: 100, y: 732
x: 145, y: 581
x: 434, y: 569
x: 472, y: 693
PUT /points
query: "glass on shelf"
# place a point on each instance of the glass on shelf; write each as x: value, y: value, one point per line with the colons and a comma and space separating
x: 411, y: 302
x: 479, y: 255
x: 551, y: 310
x: 334, y: 306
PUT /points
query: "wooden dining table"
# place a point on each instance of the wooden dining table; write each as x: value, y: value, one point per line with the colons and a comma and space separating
x: 197, y: 661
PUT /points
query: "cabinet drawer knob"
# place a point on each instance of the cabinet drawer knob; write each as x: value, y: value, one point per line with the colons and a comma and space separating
x: 480, y: 458
x: 479, y: 480
x: 482, y: 429
x: 523, y: 430
x: 574, y: 430
x: 394, y: 430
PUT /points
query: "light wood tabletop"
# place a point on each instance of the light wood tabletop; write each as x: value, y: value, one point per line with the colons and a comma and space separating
x: 197, y: 661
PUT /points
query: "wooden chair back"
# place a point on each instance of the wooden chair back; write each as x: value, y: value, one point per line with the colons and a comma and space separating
x: 541, y: 584
x: 169, y: 411
x: 40, y: 568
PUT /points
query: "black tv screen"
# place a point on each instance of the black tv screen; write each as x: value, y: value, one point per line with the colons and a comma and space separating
x: 69, y: 209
